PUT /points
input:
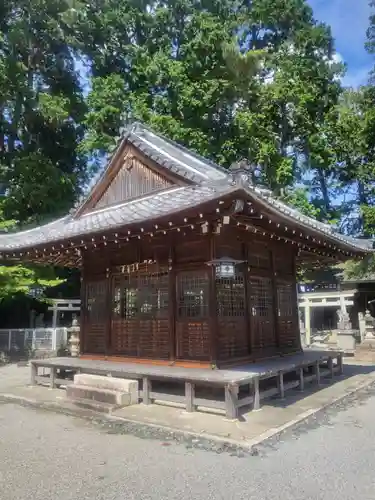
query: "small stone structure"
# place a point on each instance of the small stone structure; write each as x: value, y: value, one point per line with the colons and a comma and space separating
x: 345, y: 335
x: 74, y: 344
x: 369, y: 340
x: 102, y: 393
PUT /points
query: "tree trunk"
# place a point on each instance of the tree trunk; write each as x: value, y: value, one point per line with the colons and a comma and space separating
x: 324, y: 190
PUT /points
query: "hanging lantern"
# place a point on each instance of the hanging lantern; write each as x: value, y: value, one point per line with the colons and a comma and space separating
x: 225, y: 267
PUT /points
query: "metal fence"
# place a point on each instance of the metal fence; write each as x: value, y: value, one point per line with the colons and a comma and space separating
x: 33, y: 339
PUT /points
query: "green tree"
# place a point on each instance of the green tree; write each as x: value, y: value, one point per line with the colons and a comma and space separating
x: 41, y: 110
x: 16, y: 278
x: 251, y: 80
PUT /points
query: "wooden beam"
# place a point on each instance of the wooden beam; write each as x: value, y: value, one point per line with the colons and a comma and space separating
x: 275, y: 300
x: 172, y: 301
x: 231, y: 401
x: 249, y: 332
x: 108, y: 307
x: 82, y: 316
x: 212, y: 299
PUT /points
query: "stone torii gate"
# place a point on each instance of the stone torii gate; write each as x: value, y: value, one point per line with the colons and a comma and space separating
x: 338, y: 299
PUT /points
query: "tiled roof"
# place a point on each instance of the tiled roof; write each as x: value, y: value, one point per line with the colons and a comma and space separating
x: 210, y: 182
x: 150, y: 207
x: 296, y: 218
x: 175, y: 157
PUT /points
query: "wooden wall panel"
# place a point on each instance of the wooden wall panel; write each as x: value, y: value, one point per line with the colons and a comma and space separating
x: 188, y: 251
x: 134, y: 179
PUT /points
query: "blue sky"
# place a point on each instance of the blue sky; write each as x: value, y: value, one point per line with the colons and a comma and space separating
x: 349, y: 20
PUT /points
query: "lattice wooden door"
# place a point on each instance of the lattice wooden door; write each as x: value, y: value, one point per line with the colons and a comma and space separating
x: 192, y: 325
x: 96, y: 319
x: 287, y: 317
x: 262, y: 315
x: 233, y: 341
x: 140, y: 313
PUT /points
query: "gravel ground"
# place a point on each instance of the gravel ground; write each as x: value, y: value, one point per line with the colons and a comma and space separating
x: 45, y: 455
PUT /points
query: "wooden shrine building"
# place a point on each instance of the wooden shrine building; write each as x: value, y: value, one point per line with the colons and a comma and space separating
x: 182, y: 262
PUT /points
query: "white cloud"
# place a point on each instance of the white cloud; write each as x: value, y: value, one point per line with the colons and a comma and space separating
x: 349, y: 20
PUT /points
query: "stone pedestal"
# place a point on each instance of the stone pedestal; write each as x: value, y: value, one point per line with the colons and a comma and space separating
x: 346, y: 341
x: 346, y: 336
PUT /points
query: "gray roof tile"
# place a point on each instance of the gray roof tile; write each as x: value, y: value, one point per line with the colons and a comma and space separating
x: 147, y: 208
x: 211, y: 182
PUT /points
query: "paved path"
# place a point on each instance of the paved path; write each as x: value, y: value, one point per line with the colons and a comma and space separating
x: 52, y: 456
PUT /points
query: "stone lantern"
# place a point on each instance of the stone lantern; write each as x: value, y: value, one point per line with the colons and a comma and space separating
x: 74, y: 331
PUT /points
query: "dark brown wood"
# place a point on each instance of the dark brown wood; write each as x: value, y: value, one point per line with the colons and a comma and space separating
x: 168, y: 305
x: 96, y: 319
x: 140, y: 325
x: 274, y: 256
x: 108, y: 340
x: 132, y: 180
x: 212, y: 300
x: 245, y: 266
x: 141, y: 361
x: 172, y: 303
x: 192, y: 325
x: 129, y: 174
x: 83, y: 312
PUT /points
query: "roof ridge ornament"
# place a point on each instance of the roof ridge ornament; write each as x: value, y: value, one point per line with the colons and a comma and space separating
x: 242, y: 172
x: 246, y: 174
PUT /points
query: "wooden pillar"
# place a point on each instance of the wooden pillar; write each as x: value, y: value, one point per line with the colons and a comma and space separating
x: 189, y: 396
x: 317, y: 372
x: 256, y: 394
x: 108, y: 308
x: 83, y: 311
x: 296, y: 305
x: 212, y: 301
x: 301, y: 379
x: 172, y: 304
x: 231, y: 401
x: 275, y: 301
x: 280, y: 384
x: 52, y: 377
x: 331, y: 368
x: 146, y: 391
x: 247, y: 298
